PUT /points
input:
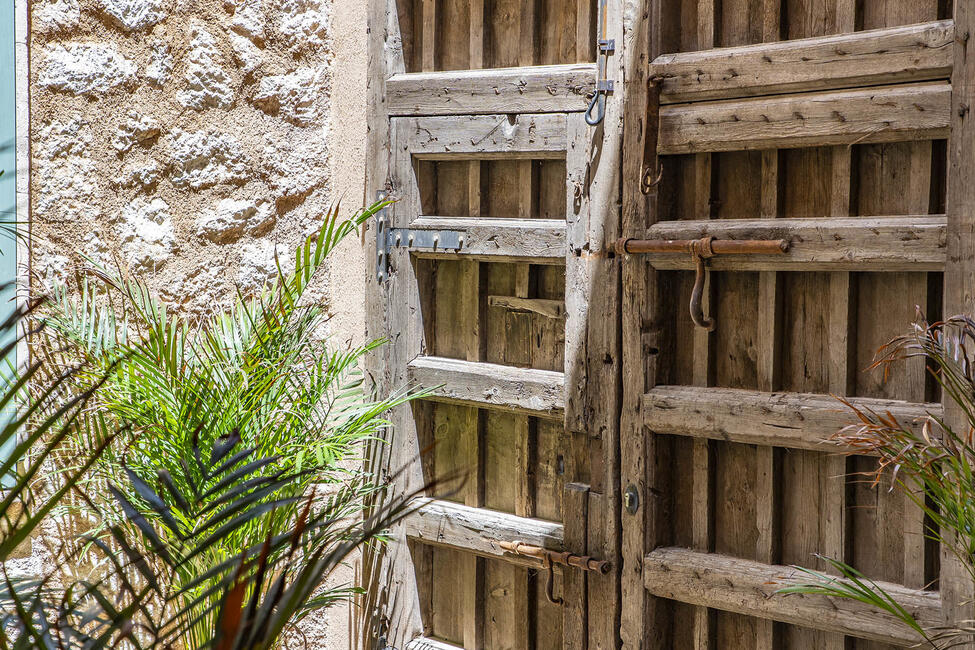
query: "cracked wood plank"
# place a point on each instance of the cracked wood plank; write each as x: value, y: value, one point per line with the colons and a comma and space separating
x: 881, y: 56
x: 883, y: 114
x: 792, y: 420
x: 538, y: 89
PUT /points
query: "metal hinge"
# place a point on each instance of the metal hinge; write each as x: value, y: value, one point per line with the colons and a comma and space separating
x: 606, y: 47
x: 414, y: 239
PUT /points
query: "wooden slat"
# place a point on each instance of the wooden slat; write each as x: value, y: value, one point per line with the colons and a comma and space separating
x: 887, y: 114
x: 539, y: 89
x: 748, y: 587
x: 521, y: 390
x: 768, y: 370
x: 881, y: 56
x: 957, y: 590
x: 914, y: 243
x: 540, y: 241
x: 793, y: 420
x: 541, y: 306
x: 483, y: 136
x: 479, y: 530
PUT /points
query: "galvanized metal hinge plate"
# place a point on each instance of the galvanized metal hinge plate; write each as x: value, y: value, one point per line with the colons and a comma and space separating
x: 415, y: 239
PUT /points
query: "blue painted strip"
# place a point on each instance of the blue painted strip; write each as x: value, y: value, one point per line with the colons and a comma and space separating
x: 8, y: 181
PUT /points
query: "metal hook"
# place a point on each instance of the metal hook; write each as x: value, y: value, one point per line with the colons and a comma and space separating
x: 648, y: 182
x: 549, y: 585
x: 701, y: 250
x: 599, y: 103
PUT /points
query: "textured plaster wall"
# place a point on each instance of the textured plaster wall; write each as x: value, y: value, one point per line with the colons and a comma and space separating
x: 194, y: 138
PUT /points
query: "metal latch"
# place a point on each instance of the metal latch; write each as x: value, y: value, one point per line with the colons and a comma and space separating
x: 703, y: 250
x: 415, y: 239
x: 550, y: 557
x: 604, y: 48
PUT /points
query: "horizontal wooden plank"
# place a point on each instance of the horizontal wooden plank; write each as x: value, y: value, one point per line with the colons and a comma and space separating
x: 792, y: 420
x: 479, y: 530
x: 747, y: 587
x: 536, y: 89
x: 536, y: 136
x: 541, y: 306
x: 426, y: 643
x: 882, y: 56
x: 908, y: 243
x: 882, y: 114
x: 540, y: 241
x: 489, y: 385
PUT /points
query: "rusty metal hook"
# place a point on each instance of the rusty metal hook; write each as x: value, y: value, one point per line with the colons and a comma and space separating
x: 648, y: 181
x: 550, y: 582
x: 701, y: 250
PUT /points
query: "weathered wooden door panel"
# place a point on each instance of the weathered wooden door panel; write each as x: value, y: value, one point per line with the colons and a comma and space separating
x: 479, y: 136
x: 789, y: 142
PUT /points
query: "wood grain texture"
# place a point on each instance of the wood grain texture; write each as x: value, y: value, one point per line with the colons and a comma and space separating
x: 883, y: 114
x: 748, y: 587
x: 520, y: 390
x: 956, y: 585
x: 883, y: 56
x: 483, y: 136
x: 538, y: 89
x: 793, y: 420
x: 541, y: 241
x: 825, y: 244
x: 479, y: 530
x: 641, y: 614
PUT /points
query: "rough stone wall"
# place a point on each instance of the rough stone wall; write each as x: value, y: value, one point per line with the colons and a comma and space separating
x: 193, y: 139
x: 187, y: 137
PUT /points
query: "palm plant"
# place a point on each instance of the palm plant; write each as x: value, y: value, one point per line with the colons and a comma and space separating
x: 933, y: 466
x: 252, y: 378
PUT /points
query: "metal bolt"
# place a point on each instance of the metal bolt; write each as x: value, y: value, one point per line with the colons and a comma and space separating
x: 631, y: 499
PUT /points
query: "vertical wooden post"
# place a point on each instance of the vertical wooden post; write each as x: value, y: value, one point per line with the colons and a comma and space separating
x: 584, y: 31
x: 702, y: 527
x: 642, y: 338
x: 428, y: 40
x: 593, y: 353
x: 575, y: 499
x: 385, y: 570
x: 842, y: 319
x: 769, y: 340
x: 955, y: 583
x: 477, y: 34
x: 472, y: 584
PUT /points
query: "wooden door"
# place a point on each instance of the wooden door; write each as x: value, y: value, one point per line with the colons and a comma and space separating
x: 492, y: 290
x: 837, y: 125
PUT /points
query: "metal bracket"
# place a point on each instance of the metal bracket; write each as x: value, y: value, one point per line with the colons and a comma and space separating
x: 702, y: 250
x: 414, y: 239
x: 606, y: 47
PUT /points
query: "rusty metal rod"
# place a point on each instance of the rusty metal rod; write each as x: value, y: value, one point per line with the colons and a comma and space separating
x: 564, y: 558
x: 718, y: 246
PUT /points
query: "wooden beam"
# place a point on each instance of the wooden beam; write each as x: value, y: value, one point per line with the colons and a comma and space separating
x: 792, y: 420
x: 540, y: 306
x: 540, y: 89
x: 479, y: 530
x: 887, y: 114
x: 911, y: 243
x: 489, y: 385
x: 957, y: 590
x: 882, y: 56
x: 483, y: 136
x: 539, y: 241
x: 749, y: 588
